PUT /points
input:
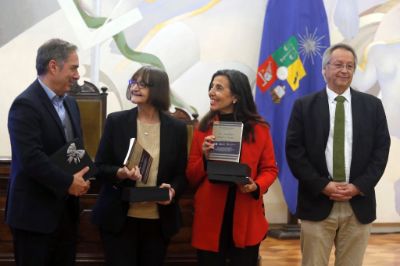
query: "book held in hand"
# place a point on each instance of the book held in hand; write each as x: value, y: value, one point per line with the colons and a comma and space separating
x: 237, y: 173
x: 72, y: 158
x: 141, y: 194
x: 223, y: 161
x: 228, y: 141
x: 138, y: 156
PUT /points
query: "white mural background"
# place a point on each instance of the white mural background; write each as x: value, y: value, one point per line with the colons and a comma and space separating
x: 193, y: 39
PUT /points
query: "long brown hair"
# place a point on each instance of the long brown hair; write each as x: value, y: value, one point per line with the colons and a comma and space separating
x: 244, y: 110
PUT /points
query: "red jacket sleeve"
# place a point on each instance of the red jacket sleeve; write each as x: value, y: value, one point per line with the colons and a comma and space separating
x: 195, y: 171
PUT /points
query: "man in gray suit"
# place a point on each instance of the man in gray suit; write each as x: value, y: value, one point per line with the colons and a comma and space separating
x: 337, y: 147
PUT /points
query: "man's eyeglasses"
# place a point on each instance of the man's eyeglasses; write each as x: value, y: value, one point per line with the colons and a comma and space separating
x: 140, y: 84
x: 340, y: 66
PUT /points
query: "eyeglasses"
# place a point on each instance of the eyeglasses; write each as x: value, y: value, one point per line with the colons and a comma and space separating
x: 340, y: 66
x: 140, y: 84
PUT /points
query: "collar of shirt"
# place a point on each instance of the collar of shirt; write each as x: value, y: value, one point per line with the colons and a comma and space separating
x: 332, y: 95
x: 52, y: 96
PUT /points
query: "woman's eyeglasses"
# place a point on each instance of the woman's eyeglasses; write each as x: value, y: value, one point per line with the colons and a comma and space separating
x: 140, y: 84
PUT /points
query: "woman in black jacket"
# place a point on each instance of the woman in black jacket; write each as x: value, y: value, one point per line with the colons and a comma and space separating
x: 138, y: 233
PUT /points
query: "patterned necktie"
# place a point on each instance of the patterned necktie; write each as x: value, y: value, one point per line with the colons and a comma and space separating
x: 339, y: 174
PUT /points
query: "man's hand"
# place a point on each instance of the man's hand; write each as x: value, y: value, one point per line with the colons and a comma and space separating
x: 79, y: 186
x: 340, y: 191
x: 330, y: 188
x: 349, y: 190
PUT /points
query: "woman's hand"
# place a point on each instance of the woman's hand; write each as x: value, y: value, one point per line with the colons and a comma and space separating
x: 248, y: 188
x: 133, y: 174
x: 208, y: 145
x: 171, y: 194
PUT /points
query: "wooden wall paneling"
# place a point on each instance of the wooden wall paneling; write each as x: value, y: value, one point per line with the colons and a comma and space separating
x: 6, y: 247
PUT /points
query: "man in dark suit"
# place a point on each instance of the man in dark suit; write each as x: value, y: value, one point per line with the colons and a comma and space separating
x: 337, y: 147
x: 42, y: 203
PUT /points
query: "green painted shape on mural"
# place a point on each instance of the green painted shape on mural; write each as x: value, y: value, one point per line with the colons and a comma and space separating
x: 144, y: 58
x: 287, y: 53
x: 119, y: 38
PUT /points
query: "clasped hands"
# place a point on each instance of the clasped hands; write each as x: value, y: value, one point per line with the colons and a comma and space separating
x: 340, y: 191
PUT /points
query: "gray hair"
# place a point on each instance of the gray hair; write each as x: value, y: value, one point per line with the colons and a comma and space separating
x: 328, y: 53
x: 53, y: 49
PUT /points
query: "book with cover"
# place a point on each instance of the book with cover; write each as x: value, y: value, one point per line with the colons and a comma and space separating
x: 237, y: 173
x: 228, y: 141
x: 72, y: 158
x: 138, y: 156
x: 141, y: 194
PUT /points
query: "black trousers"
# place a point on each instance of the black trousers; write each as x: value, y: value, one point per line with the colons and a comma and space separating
x: 57, y: 248
x: 228, y: 254
x: 247, y: 256
x: 140, y: 243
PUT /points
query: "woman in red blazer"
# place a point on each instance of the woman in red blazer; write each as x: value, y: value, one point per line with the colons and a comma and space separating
x: 229, y: 219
